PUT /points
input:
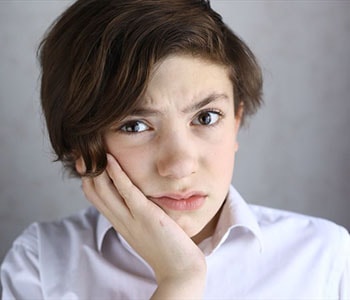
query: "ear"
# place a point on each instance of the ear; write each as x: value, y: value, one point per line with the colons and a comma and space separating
x: 80, y: 165
x: 238, y: 122
x: 239, y: 117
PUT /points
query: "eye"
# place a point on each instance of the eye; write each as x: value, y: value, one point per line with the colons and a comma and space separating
x: 207, y: 118
x: 134, y: 127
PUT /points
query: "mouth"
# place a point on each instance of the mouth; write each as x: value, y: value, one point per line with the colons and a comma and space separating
x: 180, y: 202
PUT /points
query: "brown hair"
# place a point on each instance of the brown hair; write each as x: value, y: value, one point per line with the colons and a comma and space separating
x: 97, y: 57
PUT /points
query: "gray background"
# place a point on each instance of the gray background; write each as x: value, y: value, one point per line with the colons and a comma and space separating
x: 294, y: 154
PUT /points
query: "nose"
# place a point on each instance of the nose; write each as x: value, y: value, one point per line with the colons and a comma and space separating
x: 177, y: 155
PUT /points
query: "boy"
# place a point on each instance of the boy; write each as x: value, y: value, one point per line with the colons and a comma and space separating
x: 143, y: 99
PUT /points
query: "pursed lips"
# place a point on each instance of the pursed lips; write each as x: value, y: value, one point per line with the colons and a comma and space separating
x: 180, y: 201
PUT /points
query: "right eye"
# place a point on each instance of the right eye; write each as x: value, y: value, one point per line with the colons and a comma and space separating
x: 134, y: 127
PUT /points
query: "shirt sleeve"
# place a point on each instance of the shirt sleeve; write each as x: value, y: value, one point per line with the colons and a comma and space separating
x: 344, y: 287
x: 20, y: 272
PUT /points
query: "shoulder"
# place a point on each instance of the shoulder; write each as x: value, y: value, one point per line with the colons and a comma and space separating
x: 291, y: 222
x: 302, y: 230
x: 77, y: 226
x: 40, y: 250
x: 307, y: 244
x: 42, y: 243
x: 85, y: 220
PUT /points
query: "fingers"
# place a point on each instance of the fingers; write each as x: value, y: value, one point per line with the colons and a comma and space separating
x: 113, y: 193
x: 80, y: 165
x: 134, y: 199
x: 102, y: 194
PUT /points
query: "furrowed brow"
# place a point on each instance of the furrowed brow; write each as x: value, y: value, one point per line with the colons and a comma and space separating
x: 144, y: 112
x: 207, y: 100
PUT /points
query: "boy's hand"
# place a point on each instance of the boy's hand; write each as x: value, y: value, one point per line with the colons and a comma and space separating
x: 178, y: 263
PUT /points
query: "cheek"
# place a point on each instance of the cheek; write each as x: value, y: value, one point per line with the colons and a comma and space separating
x: 222, y: 158
x: 135, y: 161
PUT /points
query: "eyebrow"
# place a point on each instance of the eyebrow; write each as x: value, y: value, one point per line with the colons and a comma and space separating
x: 144, y: 111
x: 207, y: 100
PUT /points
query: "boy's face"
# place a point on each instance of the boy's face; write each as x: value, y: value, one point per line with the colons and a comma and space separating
x: 179, y: 146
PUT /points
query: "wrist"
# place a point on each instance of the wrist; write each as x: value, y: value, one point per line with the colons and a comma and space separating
x: 194, y: 270
x: 183, y: 286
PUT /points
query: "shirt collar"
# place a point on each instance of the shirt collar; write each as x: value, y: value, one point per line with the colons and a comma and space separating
x: 103, y: 226
x: 235, y: 214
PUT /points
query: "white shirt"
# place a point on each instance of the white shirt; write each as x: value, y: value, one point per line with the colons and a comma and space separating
x: 255, y: 253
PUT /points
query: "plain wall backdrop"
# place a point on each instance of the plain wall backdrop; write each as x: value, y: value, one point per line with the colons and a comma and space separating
x: 294, y: 154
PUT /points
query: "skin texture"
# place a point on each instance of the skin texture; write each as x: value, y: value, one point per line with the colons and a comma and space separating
x: 180, y: 144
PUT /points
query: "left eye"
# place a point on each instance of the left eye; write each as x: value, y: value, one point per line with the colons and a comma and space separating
x: 206, y: 118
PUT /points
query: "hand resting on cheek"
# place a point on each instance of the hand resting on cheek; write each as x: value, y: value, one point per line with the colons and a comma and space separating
x: 178, y: 263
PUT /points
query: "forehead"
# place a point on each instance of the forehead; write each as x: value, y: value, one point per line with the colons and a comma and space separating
x: 187, y: 78
x: 193, y: 65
